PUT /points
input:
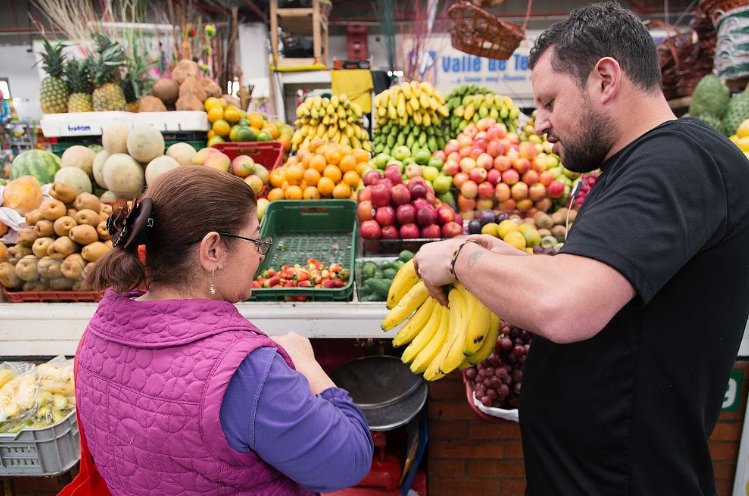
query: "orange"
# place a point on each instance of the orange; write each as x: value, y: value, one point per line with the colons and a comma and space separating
x: 325, y: 186
x: 294, y: 173
x: 272, y: 130
x: 286, y: 142
x: 214, y: 140
x: 315, y: 144
x: 311, y: 193
x: 232, y: 115
x: 306, y: 159
x: 341, y: 191
x: 346, y: 150
x: 277, y: 177
x: 211, y: 134
x: 351, y: 178
x: 222, y: 128
x: 210, y: 103
x: 354, y: 196
x: 293, y: 193
x: 333, y: 156
x: 256, y: 120
x: 254, y: 129
x: 318, y: 163
x: 361, y: 167
x: 285, y: 185
x: 215, y: 114
x: 275, y: 194
x: 333, y: 173
x: 222, y: 103
x: 311, y: 176
x: 303, y: 184
x: 293, y: 160
x: 348, y: 163
x: 361, y: 155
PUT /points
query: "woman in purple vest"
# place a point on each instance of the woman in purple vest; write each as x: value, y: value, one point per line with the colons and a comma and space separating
x: 177, y: 393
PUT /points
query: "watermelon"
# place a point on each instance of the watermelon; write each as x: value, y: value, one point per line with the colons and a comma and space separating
x: 38, y: 163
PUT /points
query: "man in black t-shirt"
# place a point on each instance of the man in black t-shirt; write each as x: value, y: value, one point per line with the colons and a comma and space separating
x: 638, y: 319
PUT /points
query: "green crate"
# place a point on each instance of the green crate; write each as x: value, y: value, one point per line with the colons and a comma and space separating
x: 303, y: 229
x: 59, y: 148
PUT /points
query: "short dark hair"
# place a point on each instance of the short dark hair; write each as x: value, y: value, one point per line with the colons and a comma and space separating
x: 597, y: 31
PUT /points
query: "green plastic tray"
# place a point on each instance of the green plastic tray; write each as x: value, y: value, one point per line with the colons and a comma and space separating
x: 304, y: 229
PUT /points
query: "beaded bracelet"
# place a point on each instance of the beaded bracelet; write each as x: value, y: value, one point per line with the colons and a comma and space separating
x: 455, y: 257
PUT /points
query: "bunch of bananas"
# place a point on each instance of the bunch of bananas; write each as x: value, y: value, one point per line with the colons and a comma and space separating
x: 411, y: 115
x: 469, y: 103
x: 439, y: 339
x: 336, y: 119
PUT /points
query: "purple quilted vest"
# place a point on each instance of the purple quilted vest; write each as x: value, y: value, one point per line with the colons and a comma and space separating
x: 151, y: 378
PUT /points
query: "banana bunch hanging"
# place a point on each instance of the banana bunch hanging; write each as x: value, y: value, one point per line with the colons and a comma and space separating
x: 439, y: 339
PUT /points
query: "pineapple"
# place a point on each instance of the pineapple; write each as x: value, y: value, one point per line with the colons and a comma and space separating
x: 135, y: 81
x: 54, y: 91
x: 106, y: 75
x: 80, y: 88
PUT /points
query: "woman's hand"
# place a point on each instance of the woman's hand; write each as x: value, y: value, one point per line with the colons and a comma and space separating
x: 300, y: 350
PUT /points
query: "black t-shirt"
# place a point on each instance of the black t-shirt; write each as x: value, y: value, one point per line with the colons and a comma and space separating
x: 629, y: 411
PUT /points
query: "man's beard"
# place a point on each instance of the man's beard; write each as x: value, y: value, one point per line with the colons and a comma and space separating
x: 588, y: 152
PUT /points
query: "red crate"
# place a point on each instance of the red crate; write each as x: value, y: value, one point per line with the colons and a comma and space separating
x: 47, y: 296
x: 269, y: 154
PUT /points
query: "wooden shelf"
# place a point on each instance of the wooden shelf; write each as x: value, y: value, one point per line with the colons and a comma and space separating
x: 302, y: 21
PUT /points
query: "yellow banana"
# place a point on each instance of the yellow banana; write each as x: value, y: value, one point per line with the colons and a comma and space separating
x: 356, y: 108
x: 406, y: 89
x: 426, y: 356
x: 426, y: 87
x: 424, y: 100
x: 426, y: 120
x: 477, y: 323
x: 415, y: 324
x: 404, y: 280
x: 410, y: 302
x: 334, y: 100
x: 489, y: 343
x: 440, y: 98
x: 426, y: 336
x: 5, y: 376
x: 416, y: 89
x: 451, y: 353
x: 413, y: 103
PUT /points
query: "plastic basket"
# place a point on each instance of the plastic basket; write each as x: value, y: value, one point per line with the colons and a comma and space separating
x: 323, y: 229
x: 49, y: 451
x: 50, y: 296
x: 269, y: 154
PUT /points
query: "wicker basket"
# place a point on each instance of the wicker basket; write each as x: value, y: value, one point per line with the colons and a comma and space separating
x: 479, y: 33
x: 716, y: 10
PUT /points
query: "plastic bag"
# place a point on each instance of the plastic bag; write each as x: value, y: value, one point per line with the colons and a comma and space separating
x: 35, y: 396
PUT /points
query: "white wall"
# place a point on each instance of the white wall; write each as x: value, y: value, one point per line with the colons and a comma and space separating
x: 17, y: 64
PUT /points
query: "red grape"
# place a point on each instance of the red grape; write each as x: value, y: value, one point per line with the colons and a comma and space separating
x: 506, y: 344
x: 503, y: 390
x: 471, y: 373
x: 486, y: 401
x: 517, y: 351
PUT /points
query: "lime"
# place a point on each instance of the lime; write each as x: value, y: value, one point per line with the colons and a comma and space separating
x: 233, y: 133
x: 214, y: 140
x: 264, y: 136
x: 245, y: 134
x: 243, y: 123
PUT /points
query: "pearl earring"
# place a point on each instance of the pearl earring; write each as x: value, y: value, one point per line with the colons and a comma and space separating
x: 212, y: 290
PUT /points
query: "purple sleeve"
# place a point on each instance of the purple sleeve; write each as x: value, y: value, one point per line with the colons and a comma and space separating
x: 322, y: 441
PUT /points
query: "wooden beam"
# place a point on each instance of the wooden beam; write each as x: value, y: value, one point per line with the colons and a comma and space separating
x: 254, y: 8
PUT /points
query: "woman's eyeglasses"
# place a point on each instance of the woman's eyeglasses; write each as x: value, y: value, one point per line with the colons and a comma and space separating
x: 263, y: 244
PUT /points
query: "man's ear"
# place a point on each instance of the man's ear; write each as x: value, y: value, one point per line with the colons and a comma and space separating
x: 607, y: 76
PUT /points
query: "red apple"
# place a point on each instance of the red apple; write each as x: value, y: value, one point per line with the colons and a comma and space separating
x: 381, y: 195
x: 497, y: 132
x: 445, y: 214
x: 544, y: 205
x: 467, y: 164
x: 432, y: 231
x: 426, y: 216
x: 365, y: 211
x: 440, y: 155
x: 454, y: 156
x: 385, y: 216
x: 522, y: 165
x: 370, y: 229
x: 519, y: 191
x: 514, y: 138
x: 393, y: 172
x: 478, y: 175
x: 494, y: 176
x: 466, y: 204
x: 464, y: 140
x: 413, y: 170
x: 365, y: 194
x: 528, y: 150
x: 508, y: 205
x: 459, y: 179
x: 451, y: 146
x: 502, y: 163
x: 451, y: 229
x: 418, y: 189
x: 484, y: 204
x: 555, y: 189
x: 486, y: 190
x: 451, y: 168
x: 512, y: 154
x: 502, y: 192
x: 406, y: 214
x: 525, y: 204
x: 480, y: 143
x: 469, y: 189
x: 545, y: 178
x: 485, y: 161
x: 537, y: 192
x: 510, y: 176
x: 371, y: 178
x: 409, y: 231
x: 390, y: 232
x: 400, y: 195
x: 387, y: 182
x: 464, y: 151
x: 475, y: 152
x: 485, y: 123
x: 495, y: 149
x: 471, y: 130
x: 531, y: 177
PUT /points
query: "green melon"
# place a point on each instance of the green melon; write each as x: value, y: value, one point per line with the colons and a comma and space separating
x: 38, y: 163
